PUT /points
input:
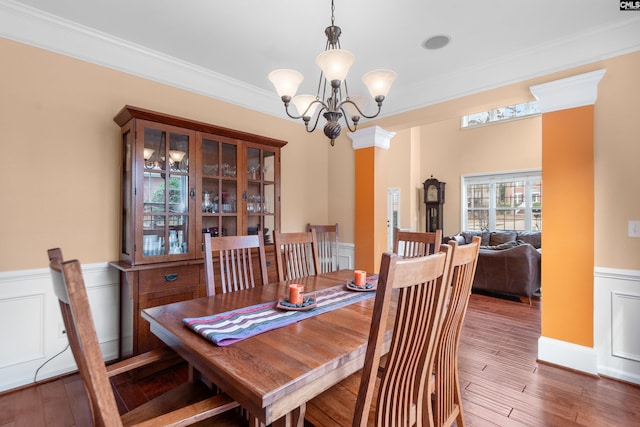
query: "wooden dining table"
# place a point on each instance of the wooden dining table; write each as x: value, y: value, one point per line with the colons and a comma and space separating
x: 273, y: 374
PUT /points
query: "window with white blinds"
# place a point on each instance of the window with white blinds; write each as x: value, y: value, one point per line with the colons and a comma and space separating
x: 506, y: 201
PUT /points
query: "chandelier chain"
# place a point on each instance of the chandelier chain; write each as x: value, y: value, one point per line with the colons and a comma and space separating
x: 333, y: 8
x: 332, y: 100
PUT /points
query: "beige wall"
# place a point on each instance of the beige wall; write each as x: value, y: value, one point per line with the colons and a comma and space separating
x: 617, y: 151
x: 341, y: 186
x: 60, y: 176
x: 448, y: 152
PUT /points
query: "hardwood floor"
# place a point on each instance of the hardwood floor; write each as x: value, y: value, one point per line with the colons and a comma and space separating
x: 502, y: 383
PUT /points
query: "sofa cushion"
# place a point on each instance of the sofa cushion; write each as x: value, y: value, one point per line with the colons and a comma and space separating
x: 502, y: 246
x: 499, y: 237
x: 484, y: 235
x: 534, y: 238
x: 458, y: 239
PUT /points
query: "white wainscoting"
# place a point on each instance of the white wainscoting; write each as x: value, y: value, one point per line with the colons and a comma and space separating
x: 31, y: 320
x: 346, y: 253
x: 32, y: 324
x: 30, y: 315
x: 617, y: 323
x: 616, y: 316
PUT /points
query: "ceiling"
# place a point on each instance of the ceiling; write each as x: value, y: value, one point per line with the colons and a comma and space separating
x: 226, y: 49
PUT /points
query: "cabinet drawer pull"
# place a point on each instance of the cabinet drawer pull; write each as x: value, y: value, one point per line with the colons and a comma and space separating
x: 171, y: 277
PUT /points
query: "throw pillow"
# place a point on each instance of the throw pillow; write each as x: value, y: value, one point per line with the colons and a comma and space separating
x: 534, y: 238
x: 468, y: 236
x: 499, y: 237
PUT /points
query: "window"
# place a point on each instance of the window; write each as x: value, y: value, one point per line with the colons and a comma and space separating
x: 502, y: 113
x: 510, y: 201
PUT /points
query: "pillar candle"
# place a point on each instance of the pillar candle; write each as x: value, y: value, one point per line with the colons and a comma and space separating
x: 360, y: 279
x: 295, y: 294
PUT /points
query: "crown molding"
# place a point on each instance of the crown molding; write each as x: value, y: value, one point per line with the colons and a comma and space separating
x: 46, y: 31
x: 547, y: 58
x: 43, y: 30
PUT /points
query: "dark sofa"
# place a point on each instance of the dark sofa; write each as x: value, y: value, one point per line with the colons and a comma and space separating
x: 509, y: 261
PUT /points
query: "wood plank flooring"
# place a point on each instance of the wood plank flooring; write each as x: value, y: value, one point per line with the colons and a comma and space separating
x: 503, y: 384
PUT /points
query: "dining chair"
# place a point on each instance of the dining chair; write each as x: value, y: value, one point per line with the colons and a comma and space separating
x: 409, y: 244
x: 296, y: 254
x: 328, y: 242
x: 445, y: 383
x: 235, y: 261
x: 420, y: 286
x: 184, y: 405
x: 414, y: 243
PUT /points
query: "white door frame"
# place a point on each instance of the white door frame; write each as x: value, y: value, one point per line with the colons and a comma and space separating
x: 393, y: 214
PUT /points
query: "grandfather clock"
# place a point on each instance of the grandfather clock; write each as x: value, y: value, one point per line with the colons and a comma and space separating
x: 434, y: 199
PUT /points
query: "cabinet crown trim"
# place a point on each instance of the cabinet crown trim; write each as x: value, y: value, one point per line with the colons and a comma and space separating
x: 129, y: 112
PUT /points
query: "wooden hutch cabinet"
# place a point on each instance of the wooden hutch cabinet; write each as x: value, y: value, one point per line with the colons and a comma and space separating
x: 180, y: 179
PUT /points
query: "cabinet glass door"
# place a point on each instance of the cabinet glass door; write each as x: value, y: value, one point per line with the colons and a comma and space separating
x: 165, y: 220
x: 127, y: 227
x: 219, y: 199
x: 261, y: 192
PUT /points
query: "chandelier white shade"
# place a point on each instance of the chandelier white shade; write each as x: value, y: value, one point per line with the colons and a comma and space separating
x: 332, y: 100
x: 286, y: 82
x: 305, y: 105
x: 379, y: 82
x: 335, y: 63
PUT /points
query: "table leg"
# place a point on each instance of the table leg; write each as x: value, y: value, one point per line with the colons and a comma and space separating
x: 294, y: 418
x: 255, y: 422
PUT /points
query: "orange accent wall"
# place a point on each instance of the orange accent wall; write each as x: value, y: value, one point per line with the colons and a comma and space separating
x: 364, y: 221
x: 568, y: 231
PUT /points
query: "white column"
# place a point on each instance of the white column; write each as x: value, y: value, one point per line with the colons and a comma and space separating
x: 572, y: 92
x: 373, y: 136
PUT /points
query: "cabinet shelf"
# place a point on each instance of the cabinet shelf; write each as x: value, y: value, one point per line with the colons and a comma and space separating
x: 174, y: 170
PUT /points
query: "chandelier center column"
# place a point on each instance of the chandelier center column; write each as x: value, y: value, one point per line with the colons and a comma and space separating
x: 371, y: 147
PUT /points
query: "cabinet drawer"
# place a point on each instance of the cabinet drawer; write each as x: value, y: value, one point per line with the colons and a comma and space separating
x: 170, y: 277
x: 146, y: 340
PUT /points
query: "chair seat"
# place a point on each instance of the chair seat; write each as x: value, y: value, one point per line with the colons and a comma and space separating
x: 159, y: 410
x: 341, y: 398
x: 187, y: 404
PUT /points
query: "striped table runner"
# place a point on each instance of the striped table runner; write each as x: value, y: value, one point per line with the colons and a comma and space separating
x: 235, y: 325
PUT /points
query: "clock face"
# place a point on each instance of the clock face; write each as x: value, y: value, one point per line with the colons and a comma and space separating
x: 432, y: 193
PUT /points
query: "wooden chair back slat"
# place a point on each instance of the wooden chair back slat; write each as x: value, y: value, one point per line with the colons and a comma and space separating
x: 328, y: 240
x: 421, y: 287
x: 409, y: 244
x: 296, y: 254
x: 83, y: 338
x: 447, y: 406
x: 185, y: 405
x: 234, y: 256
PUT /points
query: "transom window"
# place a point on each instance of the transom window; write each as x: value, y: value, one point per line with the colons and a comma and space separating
x: 499, y: 114
x: 510, y: 201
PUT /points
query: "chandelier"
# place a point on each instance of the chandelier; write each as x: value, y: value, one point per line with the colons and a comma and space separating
x: 333, y: 104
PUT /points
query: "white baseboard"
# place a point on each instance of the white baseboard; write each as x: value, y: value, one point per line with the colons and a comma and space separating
x: 616, y: 315
x: 568, y: 355
x: 616, y: 308
x: 620, y: 374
